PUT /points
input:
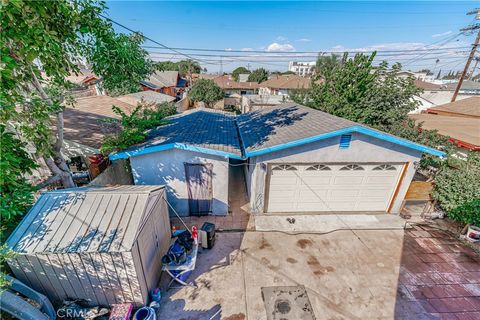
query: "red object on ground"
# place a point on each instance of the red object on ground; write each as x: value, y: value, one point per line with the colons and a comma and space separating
x: 195, y: 234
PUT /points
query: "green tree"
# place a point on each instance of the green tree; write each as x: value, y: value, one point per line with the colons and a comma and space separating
x: 326, y: 63
x: 121, y: 61
x: 457, y: 188
x: 187, y: 67
x: 353, y: 88
x: 238, y: 71
x: 135, y: 124
x: 16, y: 194
x: 258, y: 75
x: 166, y: 66
x: 207, y: 91
x: 184, y: 67
x: 42, y: 43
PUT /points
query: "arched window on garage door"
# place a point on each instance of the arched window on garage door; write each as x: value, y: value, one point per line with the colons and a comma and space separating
x: 384, y: 167
x: 354, y: 167
x: 318, y: 167
x: 284, y: 167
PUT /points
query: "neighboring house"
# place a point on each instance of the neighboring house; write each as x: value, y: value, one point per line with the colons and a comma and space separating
x: 423, y: 76
x: 166, y: 82
x: 283, y: 84
x: 302, y: 68
x: 257, y: 101
x: 459, y: 120
x: 297, y: 159
x: 433, y: 95
x: 243, y: 77
x: 468, y: 87
x: 230, y: 86
x: 85, y: 122
x: 83, y: 84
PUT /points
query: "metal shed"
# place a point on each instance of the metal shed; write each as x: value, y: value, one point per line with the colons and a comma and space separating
x: 103, y: 245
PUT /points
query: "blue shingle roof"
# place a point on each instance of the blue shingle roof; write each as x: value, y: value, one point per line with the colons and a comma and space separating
x: 266, y: 130
x: 200, y: 130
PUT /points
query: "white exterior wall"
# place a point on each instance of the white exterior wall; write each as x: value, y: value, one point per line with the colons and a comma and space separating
x: 362, y: 149
x: 167, y: 168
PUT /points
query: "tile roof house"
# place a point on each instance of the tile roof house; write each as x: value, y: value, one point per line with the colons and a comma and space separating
x: 459, y: 120
x: 296, y: 159
x: 283, y: 84
x: 85, y: 123
x: 165, y: 82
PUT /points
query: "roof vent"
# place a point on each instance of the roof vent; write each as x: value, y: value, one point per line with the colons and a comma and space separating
x: 345, y: 141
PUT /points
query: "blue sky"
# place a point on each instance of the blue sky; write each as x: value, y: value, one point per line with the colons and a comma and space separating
x: 297, y: 26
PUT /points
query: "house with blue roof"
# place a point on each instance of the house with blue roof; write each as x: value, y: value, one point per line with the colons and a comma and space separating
x: 296, y: 160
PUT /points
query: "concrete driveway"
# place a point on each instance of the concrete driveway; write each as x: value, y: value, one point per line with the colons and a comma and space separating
x: 360, y: 274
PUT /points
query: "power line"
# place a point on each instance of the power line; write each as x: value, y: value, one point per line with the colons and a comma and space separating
x: 150, y: 39
x: 308, y: 52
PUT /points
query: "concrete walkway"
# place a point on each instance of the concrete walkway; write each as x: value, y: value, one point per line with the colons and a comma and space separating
x: 418, y: 273
x: 328, y: 222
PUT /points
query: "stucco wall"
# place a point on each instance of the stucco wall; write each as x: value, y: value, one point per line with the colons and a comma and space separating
x: 167, y: 168
x: 362, y: 149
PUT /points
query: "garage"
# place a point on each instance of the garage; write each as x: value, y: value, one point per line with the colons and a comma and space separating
x: 317, y: 187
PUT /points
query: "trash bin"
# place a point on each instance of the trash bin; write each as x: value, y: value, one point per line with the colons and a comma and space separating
x: 208, y: 235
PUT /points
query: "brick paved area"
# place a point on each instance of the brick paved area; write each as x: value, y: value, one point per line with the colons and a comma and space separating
x: 439, y: 277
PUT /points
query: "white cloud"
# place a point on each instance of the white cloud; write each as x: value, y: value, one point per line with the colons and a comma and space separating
x: 438, y: 35
x: 286, y: 47
x: 228, y: 49
x: 281, y: 38
x: 303, y: 40
x: 246, y: 49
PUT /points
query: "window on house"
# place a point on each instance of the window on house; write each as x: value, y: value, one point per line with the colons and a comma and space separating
x: 354, y: 167
x: 345, y: 141
x: 384, y: 167
x: 284, y: 167
x: 318, y: 167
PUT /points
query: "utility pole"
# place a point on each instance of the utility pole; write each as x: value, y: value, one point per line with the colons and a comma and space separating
x: 472, y: 29
x: 477, y: 59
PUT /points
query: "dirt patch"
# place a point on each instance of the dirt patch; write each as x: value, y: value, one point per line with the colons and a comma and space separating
x: 265, y: 260
x: 291, y: 260
x: 237, y: 316
x: 303, y: 243
x: 325, y: 243
x: 264, y: 244
x: 317, y: 268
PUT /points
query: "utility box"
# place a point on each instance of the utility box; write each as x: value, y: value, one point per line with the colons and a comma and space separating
x: 207, y: 235
x: 103, y: 245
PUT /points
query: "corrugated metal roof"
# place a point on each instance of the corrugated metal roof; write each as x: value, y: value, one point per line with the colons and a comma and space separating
x: 83, y: 220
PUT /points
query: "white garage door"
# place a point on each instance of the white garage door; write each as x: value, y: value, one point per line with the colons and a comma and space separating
x: 331, y: 187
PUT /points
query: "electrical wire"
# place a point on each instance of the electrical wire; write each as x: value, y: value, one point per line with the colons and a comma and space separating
x: 308, y: 52
x: 150, y: 39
